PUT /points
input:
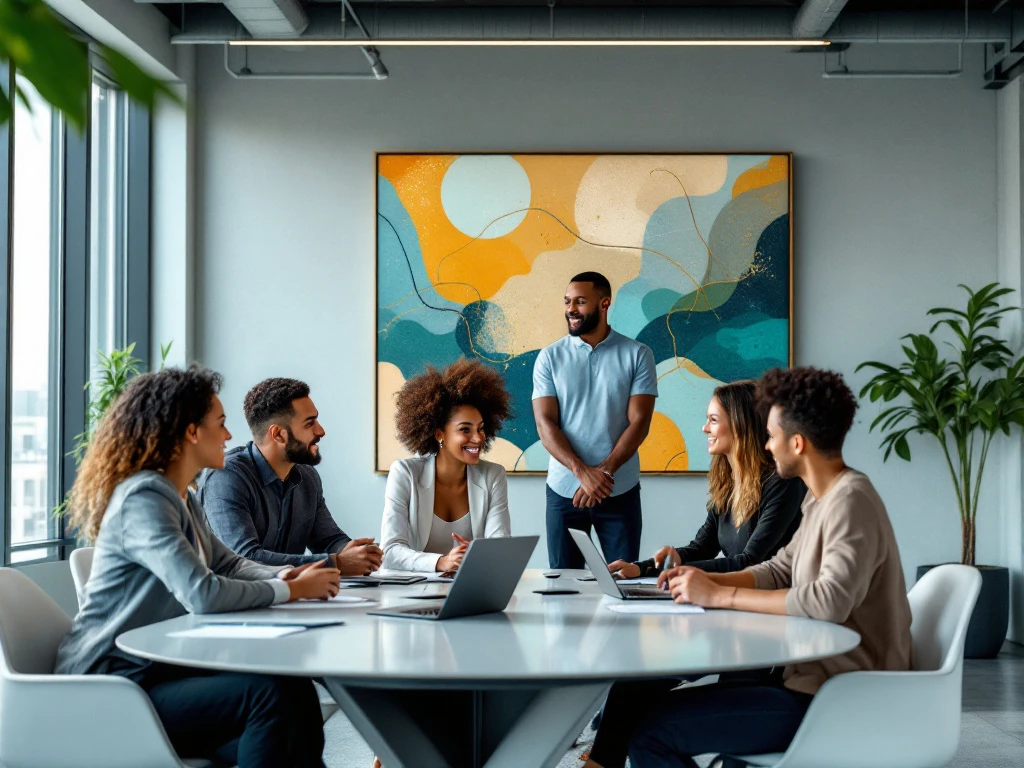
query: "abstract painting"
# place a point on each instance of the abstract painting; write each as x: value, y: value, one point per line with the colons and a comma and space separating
x: 474, y: 252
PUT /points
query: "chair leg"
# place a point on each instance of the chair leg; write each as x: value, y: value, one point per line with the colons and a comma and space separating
x: 725, y: 761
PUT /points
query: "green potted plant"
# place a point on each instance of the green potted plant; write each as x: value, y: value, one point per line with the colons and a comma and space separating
x: 963, y: 403
x: 114, y: 371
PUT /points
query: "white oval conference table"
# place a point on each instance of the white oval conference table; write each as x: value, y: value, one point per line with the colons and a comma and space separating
x: 499, y: 690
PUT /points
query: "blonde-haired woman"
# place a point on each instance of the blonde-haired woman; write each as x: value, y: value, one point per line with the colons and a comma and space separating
x: 157, y: 559
x: 752, y: 512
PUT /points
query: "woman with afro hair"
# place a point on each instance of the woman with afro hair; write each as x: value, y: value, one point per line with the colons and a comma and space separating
x: 446, y: 495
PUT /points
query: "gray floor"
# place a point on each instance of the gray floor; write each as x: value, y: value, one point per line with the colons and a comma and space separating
x: 991, y: 731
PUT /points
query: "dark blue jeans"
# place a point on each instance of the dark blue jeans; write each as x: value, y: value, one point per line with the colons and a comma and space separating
x: 617, y: 521
x: 252, y: 721
x: 662, y: 728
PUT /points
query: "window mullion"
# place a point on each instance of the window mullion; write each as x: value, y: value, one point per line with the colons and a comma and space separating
x: 6, y: 275
x: 75, y: 311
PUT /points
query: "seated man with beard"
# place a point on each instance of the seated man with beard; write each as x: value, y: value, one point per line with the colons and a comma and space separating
x: 267, y: 504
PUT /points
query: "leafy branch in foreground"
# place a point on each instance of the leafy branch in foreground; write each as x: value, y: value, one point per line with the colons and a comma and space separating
x: 36, y: 43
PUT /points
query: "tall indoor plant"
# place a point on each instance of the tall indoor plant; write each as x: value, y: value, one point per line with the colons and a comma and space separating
x: 963, y: 403
x: 114, y: 371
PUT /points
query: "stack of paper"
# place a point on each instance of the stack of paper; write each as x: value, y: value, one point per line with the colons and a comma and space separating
x: 338, y: 601
x: 428, y: 577
x: 654, y: 606
x: 238, y: 631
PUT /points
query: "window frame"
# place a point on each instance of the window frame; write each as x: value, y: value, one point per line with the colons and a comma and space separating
x: 70, y: 366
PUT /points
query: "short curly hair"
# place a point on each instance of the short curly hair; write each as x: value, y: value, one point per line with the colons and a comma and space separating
x: 425, y: 403
x: 815, y: 403
x: 270, y: 402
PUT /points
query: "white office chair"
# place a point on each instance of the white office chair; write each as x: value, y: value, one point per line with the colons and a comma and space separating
x: 888, y: 719
x: 93, y: 721
x: 81, y: 567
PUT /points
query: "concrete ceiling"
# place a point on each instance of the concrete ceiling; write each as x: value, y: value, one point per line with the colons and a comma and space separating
x: 996, y: 24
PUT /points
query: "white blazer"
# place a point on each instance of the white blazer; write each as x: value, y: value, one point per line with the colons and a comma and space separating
x: 409, y: 510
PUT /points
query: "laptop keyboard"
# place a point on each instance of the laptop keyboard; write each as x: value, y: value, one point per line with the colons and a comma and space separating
x: 424, y: 611
x: 645, y: 591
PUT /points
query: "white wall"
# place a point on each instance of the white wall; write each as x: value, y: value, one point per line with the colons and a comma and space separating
x: 895, y: 203
x: 1009, y: 178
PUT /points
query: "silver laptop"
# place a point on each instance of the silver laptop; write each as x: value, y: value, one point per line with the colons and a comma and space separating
x: 605, y: 580
x: 484, y: 582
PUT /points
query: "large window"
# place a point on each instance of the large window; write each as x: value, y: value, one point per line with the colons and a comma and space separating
x: 108, y: 231
x: 74, y: 237
x: 34, y: 301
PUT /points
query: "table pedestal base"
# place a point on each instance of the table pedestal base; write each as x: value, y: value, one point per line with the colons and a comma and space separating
x: 444, y: 728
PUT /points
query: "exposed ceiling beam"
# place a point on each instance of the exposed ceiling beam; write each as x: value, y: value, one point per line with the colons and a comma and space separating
x: 815, y: 17
x: 270, y: 19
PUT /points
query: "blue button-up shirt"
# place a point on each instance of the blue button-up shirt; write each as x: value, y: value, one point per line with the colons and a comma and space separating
x: 593, y: 387
x: 265, y: 519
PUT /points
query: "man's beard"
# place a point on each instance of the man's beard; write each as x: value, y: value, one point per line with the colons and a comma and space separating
x: 785, y: 471
x: 588, y: 323
x: 298, y: 452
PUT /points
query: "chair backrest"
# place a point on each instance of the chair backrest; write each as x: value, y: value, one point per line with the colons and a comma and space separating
x: 81, y: 567
x: 32, y: 626
x: 942, y: 603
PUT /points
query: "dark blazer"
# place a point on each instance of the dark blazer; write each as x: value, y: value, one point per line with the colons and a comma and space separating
x: 768, y: 530
x: 267, y: 520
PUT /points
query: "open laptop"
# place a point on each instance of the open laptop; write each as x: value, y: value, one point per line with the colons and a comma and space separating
x: 605, y: 580
x: 484, y: 582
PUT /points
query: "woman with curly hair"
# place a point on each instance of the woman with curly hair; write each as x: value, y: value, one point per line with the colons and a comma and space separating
x: 157, y: 559
x: 446, y: 495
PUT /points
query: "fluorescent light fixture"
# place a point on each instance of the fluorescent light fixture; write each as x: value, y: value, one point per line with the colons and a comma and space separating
x: 545, y: 42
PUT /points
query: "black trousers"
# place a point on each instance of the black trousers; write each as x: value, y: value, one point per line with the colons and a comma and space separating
x: 617, y: 521
x: 662, y: 728
x: 252, y: 721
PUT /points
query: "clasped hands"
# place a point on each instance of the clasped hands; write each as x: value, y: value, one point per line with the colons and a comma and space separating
x: 360, y: 557
x: 595, y: 486
x: 312, y: 581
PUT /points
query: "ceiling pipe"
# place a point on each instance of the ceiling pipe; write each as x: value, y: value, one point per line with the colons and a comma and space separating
x: 377, y: 70
x: 845, y: 73
x: 815, y: 17
x: 270, y: 19
x: 211, y: 23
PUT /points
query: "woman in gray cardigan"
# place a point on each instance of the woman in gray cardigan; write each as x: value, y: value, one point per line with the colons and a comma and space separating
x: 157, y: 559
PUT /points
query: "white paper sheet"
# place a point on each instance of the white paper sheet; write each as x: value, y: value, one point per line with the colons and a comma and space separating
x: 237, y: 631
x: 654, y: 606
x: 338, y: 601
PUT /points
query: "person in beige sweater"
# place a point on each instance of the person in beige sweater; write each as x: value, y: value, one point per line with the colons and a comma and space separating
x: 842, y: 565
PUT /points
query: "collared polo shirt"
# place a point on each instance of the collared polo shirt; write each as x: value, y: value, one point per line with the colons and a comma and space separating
x: 593, y: 386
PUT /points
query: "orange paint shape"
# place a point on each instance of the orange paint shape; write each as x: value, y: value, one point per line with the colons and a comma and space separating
x: 464, y: 269
x: 776, y: 169
x: 664, y: 449
x: 554, y: 183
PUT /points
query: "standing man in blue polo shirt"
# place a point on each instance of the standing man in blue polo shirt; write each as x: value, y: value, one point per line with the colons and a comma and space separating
x: 593, y: 399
